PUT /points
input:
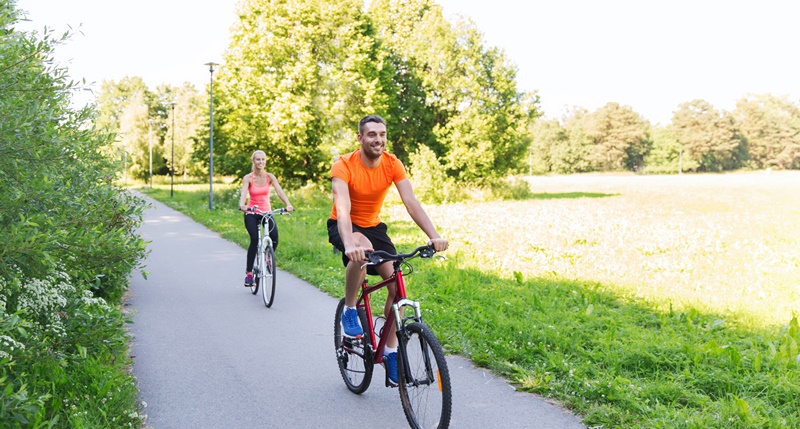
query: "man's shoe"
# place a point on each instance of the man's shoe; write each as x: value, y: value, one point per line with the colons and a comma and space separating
x: 249, y: 281
x: 352, y: 327
x: 390, y: 363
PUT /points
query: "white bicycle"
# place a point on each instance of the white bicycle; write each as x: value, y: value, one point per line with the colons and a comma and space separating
x: 265, y: 268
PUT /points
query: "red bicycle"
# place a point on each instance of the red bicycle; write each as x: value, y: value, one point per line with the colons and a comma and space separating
x: 422, y: 375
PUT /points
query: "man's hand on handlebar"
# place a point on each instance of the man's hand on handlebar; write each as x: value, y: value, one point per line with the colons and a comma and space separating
x: 439, y: 244
x: 356, y: 253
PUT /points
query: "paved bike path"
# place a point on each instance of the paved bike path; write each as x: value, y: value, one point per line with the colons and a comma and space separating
x: 208, y: 354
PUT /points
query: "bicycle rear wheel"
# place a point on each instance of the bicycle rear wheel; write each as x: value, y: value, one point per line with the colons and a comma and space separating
x: 353, y: 354
x: 423, y: 378
x: 268, y: 287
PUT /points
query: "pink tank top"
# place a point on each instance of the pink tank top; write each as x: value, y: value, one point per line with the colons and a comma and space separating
x: 259, y: 196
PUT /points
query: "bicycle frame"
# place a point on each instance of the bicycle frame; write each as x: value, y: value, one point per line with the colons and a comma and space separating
x: 394, y: 318
x: 263, y: 231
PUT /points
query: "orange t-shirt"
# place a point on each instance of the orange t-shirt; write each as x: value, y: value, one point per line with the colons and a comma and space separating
x: 367, y: 186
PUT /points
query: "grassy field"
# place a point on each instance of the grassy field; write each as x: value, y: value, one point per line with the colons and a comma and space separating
x: 637, y: 301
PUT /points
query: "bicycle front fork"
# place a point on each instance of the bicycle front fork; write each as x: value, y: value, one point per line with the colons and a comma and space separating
x: 396, y: 306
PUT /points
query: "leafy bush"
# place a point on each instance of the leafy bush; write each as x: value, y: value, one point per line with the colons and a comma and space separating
x: 430, y: 180
x: 68, y: 243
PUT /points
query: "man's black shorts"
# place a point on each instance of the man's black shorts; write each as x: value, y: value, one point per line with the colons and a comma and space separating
x: 376, y: 235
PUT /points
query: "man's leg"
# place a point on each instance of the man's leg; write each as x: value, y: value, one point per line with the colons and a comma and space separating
x: 353, y: 277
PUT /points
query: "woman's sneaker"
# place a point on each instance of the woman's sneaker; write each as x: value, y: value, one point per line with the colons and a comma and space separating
x: 249, y: 281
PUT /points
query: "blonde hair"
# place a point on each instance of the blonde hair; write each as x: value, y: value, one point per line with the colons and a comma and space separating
x: 253, y: 159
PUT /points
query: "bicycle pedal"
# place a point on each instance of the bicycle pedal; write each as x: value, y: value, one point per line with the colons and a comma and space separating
x: 352, y: 341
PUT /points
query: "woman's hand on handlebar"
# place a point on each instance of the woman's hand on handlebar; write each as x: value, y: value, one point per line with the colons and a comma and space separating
x: 290, y: 208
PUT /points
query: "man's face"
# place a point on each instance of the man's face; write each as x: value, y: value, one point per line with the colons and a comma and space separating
x: 373, y: 140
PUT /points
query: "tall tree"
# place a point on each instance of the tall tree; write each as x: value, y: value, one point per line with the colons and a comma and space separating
x: 547, y: 137
x: 572, y: 156
x: 125, y: 109
x: 466, y: 92
x: 133, y: 136
x: 298, y: 76
x: 771, y: 126
x: 709, y: 136
x: 667, y: 154
x: 190, y: 118
x: 620, y: 138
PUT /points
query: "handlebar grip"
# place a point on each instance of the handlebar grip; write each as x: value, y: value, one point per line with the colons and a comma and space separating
x: 426, y: 252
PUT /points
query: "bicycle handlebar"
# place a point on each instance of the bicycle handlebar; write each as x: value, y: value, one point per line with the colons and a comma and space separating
x: 379, y: 256
x: 254, y: 210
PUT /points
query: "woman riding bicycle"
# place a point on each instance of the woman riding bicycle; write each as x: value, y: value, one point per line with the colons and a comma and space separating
x: 256, y: 185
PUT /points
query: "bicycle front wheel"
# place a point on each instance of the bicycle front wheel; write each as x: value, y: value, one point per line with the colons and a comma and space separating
x: 268, y: 287
x: 258, y: 268
x: 423, y: 378
x: 354, y: 355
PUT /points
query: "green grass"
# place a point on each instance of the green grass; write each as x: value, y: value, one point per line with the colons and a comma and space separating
x: 667, y: 303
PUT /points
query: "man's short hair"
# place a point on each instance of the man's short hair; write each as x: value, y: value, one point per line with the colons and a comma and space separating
x: 367, y: 119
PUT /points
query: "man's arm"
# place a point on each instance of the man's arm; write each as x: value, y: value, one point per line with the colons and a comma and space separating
x: 341, y: 201
x: 419, y: 216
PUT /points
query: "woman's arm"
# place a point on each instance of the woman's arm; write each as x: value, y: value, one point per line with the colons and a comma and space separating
x: 279, y: 191
x: 245, y: 192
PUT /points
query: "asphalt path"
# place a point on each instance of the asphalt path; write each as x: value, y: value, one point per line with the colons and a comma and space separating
x: 209, y: 354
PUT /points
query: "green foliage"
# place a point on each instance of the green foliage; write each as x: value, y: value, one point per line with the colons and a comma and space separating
x: 573, y: 156
x: 510, y: 189
x: 620, y: 138
x: 67, y: 241
x: 771, y: 126
x: 430, y: 180
x: 710, y: 137
x: 298, y: 76
x: 140, y: 119
x: 463, y: 90
x: 666, y: 155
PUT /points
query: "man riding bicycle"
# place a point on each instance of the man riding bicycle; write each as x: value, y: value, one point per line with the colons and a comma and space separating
x: 360, y: 181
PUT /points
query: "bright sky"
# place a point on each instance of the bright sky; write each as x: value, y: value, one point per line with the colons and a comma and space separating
x: 650, y: 55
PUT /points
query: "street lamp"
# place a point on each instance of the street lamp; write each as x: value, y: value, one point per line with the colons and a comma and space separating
x: 211, y: 66
x: 150, y: 140
x: 172, y: 163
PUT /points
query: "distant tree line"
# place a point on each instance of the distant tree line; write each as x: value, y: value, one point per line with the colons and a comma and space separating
x: 299, y: 74
x: 763, y: 131
x: 165, y: 123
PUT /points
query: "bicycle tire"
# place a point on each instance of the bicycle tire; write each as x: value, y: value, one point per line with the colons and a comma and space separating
x: 423, y: 378
x: 268, y: 288
x: 354, y: 356
x: 257, y: 270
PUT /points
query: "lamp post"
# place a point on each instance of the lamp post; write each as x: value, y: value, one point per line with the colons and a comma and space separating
x: 211, y: 66
x: 150, y: 142
x: 172, y: 163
